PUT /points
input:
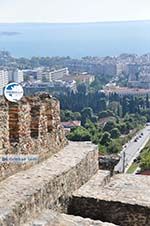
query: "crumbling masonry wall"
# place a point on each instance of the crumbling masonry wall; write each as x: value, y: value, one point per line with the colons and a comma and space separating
x: 31, y: 126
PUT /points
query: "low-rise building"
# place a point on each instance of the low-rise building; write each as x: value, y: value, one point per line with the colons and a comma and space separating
x: 69, y: 125
x: 122, y: 91
x: 58, y: 74
x: 80, y: 78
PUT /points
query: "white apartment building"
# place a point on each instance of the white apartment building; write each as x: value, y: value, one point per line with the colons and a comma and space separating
x: 18, y: 76
x: 58, y: 74
x: 3, y: 80
x: 39, y: 75
x: 121, y: 67
x: 15, y: 76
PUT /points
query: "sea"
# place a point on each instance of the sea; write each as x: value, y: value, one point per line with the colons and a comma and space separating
x: 75, y: 39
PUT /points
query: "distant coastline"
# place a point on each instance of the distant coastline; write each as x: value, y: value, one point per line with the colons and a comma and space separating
x: 7, y: 33
x: 73, y: 23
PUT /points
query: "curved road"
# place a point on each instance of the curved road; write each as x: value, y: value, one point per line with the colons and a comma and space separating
x: 132, y: 149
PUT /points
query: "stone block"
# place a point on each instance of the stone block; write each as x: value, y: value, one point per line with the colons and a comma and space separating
x: 125, y: 200
x: 48, y: 184
x: 52, y: 218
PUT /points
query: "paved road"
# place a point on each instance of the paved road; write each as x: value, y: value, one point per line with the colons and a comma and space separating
x: 132, y: 149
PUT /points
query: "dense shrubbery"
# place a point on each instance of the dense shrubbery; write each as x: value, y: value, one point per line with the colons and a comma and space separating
x: 122, y: 114
x: 79, y: 134
x: 145, y: 158
x: 108, y: 137
x: 67, y: 115
x: 104, y: 106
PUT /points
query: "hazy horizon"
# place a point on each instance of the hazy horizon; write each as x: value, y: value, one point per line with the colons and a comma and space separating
x: 92, y: 22
x: 73, y: 11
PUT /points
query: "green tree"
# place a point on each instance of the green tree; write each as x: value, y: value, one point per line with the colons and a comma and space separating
x: 82, y: 88
x: 77, y: 116
x: 115, y: 133
x: 67, y: 115
x: 86, y: 114
x: 106, y: 138
x: 109, y: 126
x: 79, y: 134
x: 113, y: 106
x: 147, y: 101
x: 145, y: 160
x: 114, y: 147
x: 104, y: 114
x: 123, y: 128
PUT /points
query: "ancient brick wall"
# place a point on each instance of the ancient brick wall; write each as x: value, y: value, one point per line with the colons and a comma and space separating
x: 4, y: 133
x: 31, y: 126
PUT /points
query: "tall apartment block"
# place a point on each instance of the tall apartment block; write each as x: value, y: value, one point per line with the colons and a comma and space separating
x: 132, y: 71
x: 3, y: 80
x: 15, y: 76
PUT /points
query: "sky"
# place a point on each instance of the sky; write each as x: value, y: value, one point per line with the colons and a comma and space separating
x: 68, y: 11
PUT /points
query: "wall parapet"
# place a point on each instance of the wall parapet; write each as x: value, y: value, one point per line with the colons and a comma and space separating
x: 29, y: 127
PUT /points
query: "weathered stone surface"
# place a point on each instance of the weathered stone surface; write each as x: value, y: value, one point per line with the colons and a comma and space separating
x: 30, y: 127
x: 48, y: 184
x: 52, y: 218
x: 4, y: 125
x: 125, y: 200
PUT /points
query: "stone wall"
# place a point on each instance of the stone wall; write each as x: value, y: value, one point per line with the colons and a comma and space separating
x: 47, y: 185
x: 4, y: 132
x: 124, y: 200
x: 115, y: 212
x: 30, y: 127
x: 52, y: 218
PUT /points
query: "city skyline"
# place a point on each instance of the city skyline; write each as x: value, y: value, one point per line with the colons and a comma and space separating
x: 70, y: 11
